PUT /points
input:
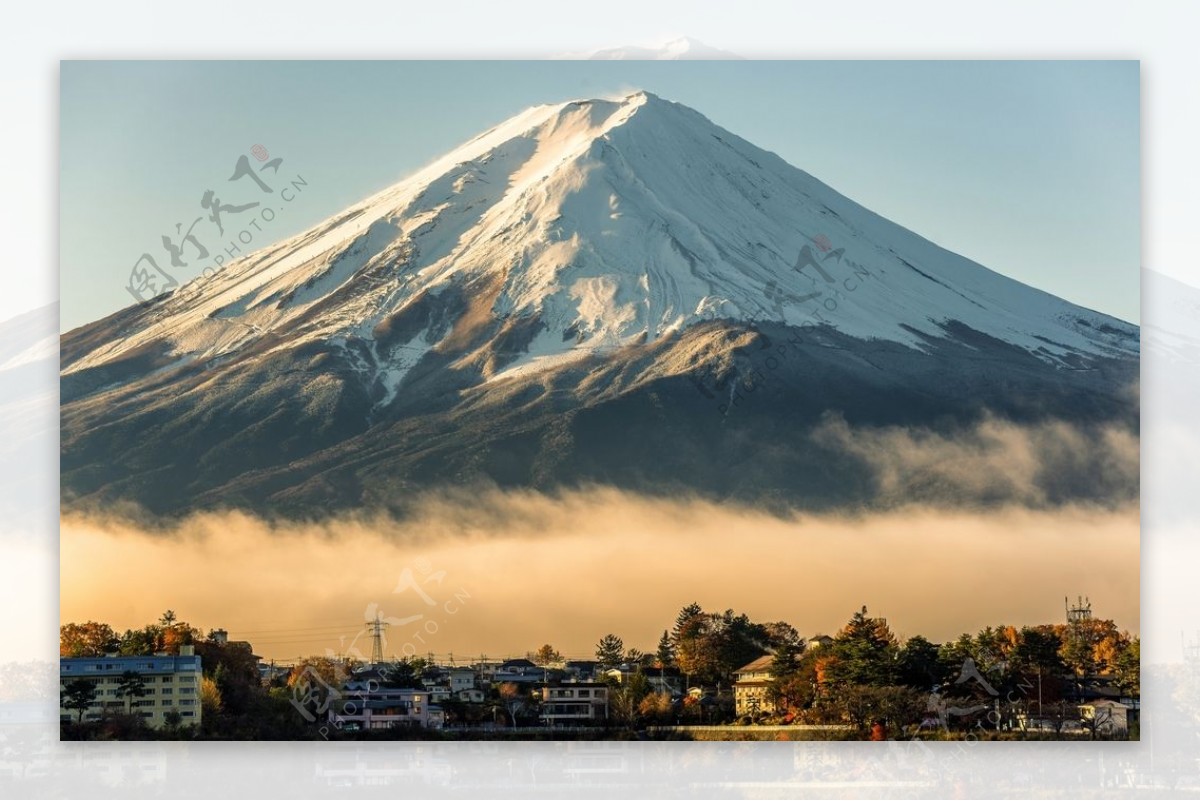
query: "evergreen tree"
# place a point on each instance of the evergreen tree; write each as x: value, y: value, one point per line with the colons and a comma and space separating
x: 401, y: 675
x: 685, y: 622
x: 610, y: 651
x: 131, y: 685
x: 665, y: 655
x: 783, y: 664
x: 1037, y: 649
x: 919, y: 666
x: 79, y: 695
x: 864, y: 653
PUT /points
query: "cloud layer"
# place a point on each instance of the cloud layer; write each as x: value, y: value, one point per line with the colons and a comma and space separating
x: 502, y: 573
x: 1037, y: 465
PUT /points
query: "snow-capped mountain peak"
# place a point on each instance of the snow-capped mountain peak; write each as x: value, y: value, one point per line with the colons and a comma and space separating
x: 610, y: 291
x: 603, y: 223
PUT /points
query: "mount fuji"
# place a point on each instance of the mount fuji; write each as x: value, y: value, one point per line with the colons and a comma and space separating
x: 600, y: 292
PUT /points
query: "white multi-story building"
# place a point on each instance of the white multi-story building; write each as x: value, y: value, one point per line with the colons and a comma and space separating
x: 172, y: 684
x: 461, y: 679
x: 581, y: 703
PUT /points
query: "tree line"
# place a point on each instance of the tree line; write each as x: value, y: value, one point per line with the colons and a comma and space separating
x: 864, y: 674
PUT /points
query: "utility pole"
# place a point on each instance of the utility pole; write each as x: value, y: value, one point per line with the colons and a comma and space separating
x: 1039, y: 697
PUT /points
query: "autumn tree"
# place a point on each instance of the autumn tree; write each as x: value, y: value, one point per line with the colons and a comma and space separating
x: 1091, y: 646
x: 156, y: 638
x: 709, y: 647
x: 736, y: 641
x: 210, y: 698
x: 783, y: 633
x: 546, y: 655
x: 689, y: 638
x: 1127, y: 668
x: 86, y: 639
x: 625, y: 700
x: 656, y: 707
x: 332, y: 671
x: 513, y: 700
x: 793, y: 685
x: 1109, y: 644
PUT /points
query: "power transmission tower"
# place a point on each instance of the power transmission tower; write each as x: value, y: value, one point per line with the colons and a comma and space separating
x: 376, y: 626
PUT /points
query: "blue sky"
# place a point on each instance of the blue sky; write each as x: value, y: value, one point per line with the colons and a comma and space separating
x: 1030, y: 168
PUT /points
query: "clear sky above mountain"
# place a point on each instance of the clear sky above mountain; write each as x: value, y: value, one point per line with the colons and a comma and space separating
x: 1031, y: 169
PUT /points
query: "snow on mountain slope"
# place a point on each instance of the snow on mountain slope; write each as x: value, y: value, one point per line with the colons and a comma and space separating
x: 608, y: 223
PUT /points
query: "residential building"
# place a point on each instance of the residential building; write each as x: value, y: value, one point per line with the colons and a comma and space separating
x: 271, y: 672
x: 661, y: 680
x: 515, y: 677
x: 665, y: 680
x: 460, y: 679
x: 474, y: 695
x: 750, y: 696
x: 364, y: 704
x: 172, y: 684
x: 485, y: 670
x: 450, y: 683
x: 621, y: 672
x: 575, y: 704
x: 1108, y: 718
x: 581, y: 669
